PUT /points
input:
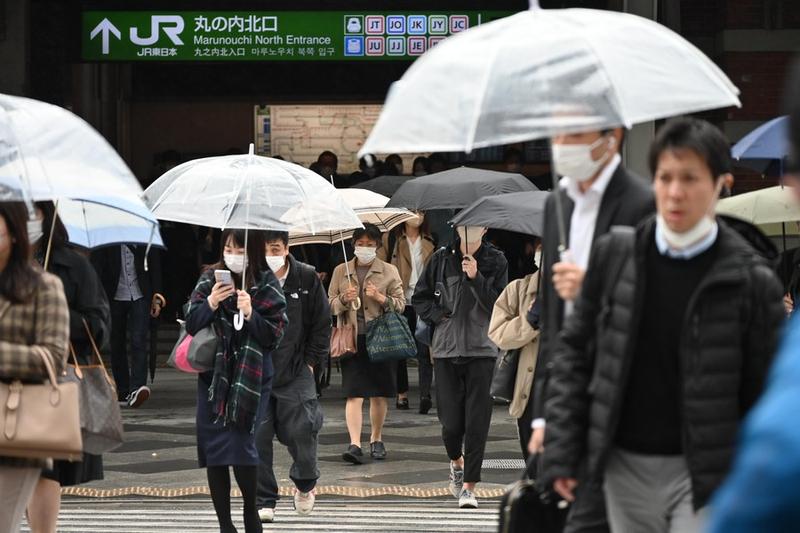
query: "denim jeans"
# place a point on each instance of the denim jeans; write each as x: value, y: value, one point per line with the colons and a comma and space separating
x: 129, y: 318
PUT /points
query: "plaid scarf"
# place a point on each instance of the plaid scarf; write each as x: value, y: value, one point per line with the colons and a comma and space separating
x: 235, y: 390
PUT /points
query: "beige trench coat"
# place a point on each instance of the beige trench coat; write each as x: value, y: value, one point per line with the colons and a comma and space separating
x: 509, y: 329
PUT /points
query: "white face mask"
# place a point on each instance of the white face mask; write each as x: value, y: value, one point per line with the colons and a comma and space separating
x: 575, y: 160
x: 234, y: 262
x: 276, y: 262
x: 470, y: 234
x: 35, y: 232
x: 365, y: 254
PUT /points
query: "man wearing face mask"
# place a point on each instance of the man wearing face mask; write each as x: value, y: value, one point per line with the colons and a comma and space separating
x: 667, y: 348
x: 456, y: 294
x: 294, y: 413
x: 596, y: 193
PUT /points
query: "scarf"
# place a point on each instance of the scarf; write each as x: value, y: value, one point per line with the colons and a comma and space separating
x: 235, y: 391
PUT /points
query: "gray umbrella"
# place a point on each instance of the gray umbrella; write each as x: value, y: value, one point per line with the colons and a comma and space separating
x: 522, y: 212
x: 456, y: 188
x: 385, y: 185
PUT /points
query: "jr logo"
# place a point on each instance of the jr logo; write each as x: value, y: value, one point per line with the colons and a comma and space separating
x: 171, y: 24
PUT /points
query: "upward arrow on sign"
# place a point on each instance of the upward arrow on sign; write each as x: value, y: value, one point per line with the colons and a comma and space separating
x: 106, y: 28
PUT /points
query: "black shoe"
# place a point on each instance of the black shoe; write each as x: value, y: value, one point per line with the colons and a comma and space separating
x: 425, y: 405
x: 377, y: 450
x: 402, y: 404
x: 353, y: 454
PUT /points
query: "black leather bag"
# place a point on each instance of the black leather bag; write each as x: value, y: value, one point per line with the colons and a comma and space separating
x: 525, y: 507
x: 505, y: 376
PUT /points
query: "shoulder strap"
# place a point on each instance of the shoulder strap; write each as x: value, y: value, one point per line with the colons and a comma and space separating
x: 622, y: 241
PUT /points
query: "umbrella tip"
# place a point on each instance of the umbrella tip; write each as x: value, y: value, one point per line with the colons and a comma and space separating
x: 534, y: 4
x: 252, y: 149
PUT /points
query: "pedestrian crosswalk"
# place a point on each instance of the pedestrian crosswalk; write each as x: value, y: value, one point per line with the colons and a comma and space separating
x: 136, y: 515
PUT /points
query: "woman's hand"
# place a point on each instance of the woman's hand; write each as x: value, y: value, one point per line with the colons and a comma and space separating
x: 374, y: 293
x: 244, y: 304
x: 219, y: 292
x: 349, y: 295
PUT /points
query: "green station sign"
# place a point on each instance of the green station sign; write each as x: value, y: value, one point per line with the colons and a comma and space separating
x: 269, y: 35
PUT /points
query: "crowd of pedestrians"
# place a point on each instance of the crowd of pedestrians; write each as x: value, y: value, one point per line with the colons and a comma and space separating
x: 646, y: 328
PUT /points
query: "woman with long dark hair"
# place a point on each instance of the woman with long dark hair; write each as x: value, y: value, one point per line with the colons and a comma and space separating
x: 232, y: 398
x: 34, y: 323
x: 87, y: 305
x: 409, y: 248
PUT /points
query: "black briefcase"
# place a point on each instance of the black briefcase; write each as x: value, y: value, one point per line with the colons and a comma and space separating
x: 526, y: 508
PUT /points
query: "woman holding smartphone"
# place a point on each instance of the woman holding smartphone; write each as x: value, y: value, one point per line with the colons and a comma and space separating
x: 232, y: 398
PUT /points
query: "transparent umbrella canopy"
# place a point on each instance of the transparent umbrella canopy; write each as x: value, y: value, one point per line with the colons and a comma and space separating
x: 543, y: 72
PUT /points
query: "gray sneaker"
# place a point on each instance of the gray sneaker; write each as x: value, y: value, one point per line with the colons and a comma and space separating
x: 467, y: 500
x: 456, y: 480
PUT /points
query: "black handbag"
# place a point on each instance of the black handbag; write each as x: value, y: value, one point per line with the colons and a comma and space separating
x: 527, y: 508
x: 505, y: 376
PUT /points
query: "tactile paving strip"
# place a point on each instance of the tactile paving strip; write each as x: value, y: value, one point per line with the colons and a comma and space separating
x: 329, y: 490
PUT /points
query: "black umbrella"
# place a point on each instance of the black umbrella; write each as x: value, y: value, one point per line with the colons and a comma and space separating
x: 385, y: 185
x: 456, y: 188
x: 522, y: 212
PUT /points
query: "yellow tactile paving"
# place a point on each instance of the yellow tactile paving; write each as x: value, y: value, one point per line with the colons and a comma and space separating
x: 328, y: 490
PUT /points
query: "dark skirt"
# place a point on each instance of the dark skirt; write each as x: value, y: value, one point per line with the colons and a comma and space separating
x: 362, y: 378
x: 220, y: 445
x: 69, y: 474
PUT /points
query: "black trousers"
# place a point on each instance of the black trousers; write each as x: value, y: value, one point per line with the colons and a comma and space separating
x: 133, y: 318
x: 524, y: 427
x: 423, y: 360
x: 465, y: 410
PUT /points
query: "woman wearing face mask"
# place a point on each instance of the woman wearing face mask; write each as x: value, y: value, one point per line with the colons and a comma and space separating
x: 372, y: 288
x: 34, y: 323
x: 409, y: 247
x: 88, y: 306
x: 232, y: 398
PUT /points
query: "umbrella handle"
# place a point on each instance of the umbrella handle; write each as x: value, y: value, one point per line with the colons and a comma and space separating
x: 238, y: 321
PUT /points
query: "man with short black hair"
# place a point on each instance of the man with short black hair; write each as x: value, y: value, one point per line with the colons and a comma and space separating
x: 666, y: 350
x: 294, y: 414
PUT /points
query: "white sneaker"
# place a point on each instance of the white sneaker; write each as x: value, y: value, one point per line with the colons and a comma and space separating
x: 139, y: 396
x: 266, y: 515
x: 467, y: 500
x: 456, y: 480
x: 304, y: 502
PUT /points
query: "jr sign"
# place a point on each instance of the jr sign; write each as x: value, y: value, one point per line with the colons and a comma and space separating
x: 265, y: 36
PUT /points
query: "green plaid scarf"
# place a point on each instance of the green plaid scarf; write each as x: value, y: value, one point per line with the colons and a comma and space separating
x: 235, y: 390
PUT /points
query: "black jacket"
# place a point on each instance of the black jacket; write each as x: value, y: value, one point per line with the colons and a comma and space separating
x: 85, y: 297
x: 471, y: 302
x: 626, y: 201
x: 108, y: 263
x: 307, y: 337
x: 728, y: 338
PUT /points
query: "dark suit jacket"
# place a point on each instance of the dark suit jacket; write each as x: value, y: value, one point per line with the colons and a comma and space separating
x: 108, y: 263
x: 627, y: 200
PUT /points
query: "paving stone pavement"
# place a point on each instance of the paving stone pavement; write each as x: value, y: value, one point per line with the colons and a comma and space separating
x: 159, y: 456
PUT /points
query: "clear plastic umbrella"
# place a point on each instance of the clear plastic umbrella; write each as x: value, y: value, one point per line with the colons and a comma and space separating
x: 48, y: 153
x: 370, y: 207
x: 249, y: 192
x: 543, y: 72
x: 91, y: 225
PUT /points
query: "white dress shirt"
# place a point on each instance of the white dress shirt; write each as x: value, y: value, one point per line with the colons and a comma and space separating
x: 417, y: 267
x: 584, y: 216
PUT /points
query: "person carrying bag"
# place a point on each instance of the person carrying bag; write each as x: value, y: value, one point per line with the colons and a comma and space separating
x: 34, y: 339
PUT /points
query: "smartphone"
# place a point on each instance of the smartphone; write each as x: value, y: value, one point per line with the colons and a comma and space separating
x: 223, y: 276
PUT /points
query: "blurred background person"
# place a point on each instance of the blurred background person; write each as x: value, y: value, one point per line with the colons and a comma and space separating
x: 409, y: 247
x: 87, y: 305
